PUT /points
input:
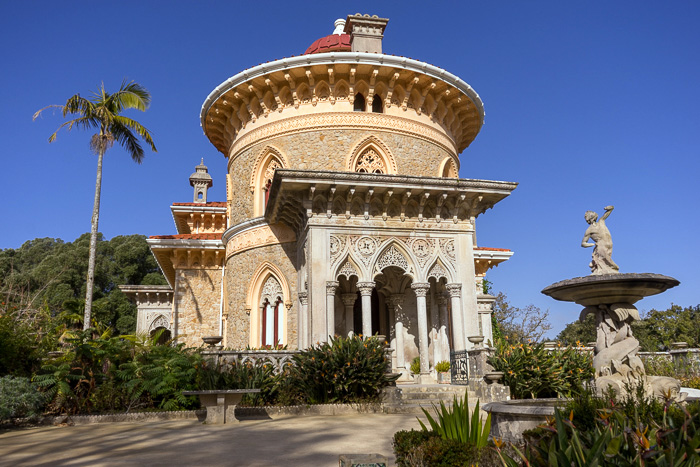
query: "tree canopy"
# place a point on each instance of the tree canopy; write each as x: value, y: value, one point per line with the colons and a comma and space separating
x: 655, y: 332
x: 50, y: 273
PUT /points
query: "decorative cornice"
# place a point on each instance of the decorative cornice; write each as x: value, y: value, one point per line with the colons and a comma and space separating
x: 334, y: 58
x: 342, y: 120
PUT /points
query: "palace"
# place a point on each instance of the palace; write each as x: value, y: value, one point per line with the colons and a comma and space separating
x: 344, y: 210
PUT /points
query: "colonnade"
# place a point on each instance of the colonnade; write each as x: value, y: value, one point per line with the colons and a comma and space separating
x: 396, y: 302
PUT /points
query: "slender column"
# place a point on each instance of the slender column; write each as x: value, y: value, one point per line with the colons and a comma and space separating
x: 421, y: 290
x: 443, y: 342
x: 396, y: 303
x: 365, y: 289
x: 303, y: 320
x: 331, y: 287
x: 455, y: 291
x: 349, y: 302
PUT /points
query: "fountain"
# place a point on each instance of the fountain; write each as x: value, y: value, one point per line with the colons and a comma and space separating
x: 610, y: 296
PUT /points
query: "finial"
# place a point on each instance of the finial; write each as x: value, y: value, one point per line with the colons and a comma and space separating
x: 202, y: 163
x: 339, y: 26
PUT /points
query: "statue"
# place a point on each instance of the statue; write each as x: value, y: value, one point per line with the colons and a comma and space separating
x: 602, y: 262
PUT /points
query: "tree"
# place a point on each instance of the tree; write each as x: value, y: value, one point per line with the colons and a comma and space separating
x: 655, y: 332
x: 102, y: 111
x: 520, y: 324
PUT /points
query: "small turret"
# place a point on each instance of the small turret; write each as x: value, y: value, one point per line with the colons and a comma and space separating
x: 201, y: 181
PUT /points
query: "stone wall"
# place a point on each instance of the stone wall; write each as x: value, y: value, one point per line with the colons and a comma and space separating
x: 328, y: 149
x: 197, y: 302
x: 240, y: 269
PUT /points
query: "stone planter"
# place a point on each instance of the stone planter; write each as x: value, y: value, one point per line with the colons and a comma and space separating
x: 444, y: 377
x: 510, y: 418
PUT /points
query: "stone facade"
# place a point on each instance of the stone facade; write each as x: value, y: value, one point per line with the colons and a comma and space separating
x: 344, y: 210
x: 197, y: 304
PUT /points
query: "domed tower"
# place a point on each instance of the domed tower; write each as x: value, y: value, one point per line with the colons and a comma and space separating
x: 345, y: 210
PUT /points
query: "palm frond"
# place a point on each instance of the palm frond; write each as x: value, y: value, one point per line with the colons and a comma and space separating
x: 78, y: 105
x: 129, y: 141
x: 141, y: 130
x: 38, y: 113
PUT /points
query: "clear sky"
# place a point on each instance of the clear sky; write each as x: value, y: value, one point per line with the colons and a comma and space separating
x: 587, y: 104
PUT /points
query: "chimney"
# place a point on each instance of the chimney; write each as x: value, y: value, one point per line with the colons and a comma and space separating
x: 366, y: 32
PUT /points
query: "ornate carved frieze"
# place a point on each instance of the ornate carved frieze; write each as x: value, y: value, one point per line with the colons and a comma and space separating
x: 422, y: 248
x: 259, y: 236
x: 447, y: 246
x: 344, y: 120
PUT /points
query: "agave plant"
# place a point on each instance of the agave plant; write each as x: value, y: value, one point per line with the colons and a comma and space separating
x: 457, y: 424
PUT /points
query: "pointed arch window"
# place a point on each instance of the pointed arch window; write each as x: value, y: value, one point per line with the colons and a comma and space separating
x: 273, y: 165
x: 360, y: 105
x: 272, y: 314
x: 370, y: 162
x: 377, y: 104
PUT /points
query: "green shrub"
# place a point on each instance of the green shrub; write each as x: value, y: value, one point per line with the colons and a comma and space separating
x: 19, y: 398
x: 248, y: 375
x: 456, y: 423
x: 687, y: 371
x: 442, y: 367
x: 531, y: 371
x: 341, y: 371
x: 415, y: 365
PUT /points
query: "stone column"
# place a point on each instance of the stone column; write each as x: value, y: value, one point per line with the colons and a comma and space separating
x: 349, y: 302
x: 442, y: 328
x: 485, y: 306
x: 303, y: 320
x: 331, y: 287
x: 365, y: 289
x: 317, y: 267
x: 421, y: 290
x: 396, y: 303
x: 455, y: 291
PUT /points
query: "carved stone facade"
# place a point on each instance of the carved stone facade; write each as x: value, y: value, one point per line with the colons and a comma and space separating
x: 344, y: 210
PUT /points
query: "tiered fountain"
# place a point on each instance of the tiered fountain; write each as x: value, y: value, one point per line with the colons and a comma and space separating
x: 610, y: 296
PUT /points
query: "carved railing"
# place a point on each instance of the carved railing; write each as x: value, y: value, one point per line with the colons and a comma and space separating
x: 459, y: 367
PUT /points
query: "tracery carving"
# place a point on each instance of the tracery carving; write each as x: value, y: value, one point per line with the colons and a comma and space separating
x: 271, y: 290
x: 437, y: 272
x: 393, y: 257
x: 160, y: 322
x: 270, y: 171
x: 370, y: 162
x: 348, y: 270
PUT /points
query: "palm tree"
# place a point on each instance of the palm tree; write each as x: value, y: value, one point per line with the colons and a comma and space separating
x: 102, y: 111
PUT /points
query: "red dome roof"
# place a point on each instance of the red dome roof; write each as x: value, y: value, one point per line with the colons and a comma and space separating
x: 332, y: 43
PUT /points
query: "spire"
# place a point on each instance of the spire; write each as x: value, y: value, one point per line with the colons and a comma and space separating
x: 201, y: 181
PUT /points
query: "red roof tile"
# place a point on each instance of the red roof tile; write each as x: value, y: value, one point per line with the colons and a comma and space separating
x: 491, y: 249
x: 216, y: 204
x: 332, y: 43
x: 201, y: 236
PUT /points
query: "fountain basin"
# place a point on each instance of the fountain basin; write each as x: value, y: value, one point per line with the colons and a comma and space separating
x: 510, y: 418
x: 606, y: 289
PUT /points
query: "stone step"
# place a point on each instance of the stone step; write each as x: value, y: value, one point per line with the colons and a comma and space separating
x: 417, y: 408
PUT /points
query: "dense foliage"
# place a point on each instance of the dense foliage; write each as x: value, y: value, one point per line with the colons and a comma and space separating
x: 19, y: 398
x: 340, y: 371
x: 605, y: 431
x: 655, y: 332
x: 97, y: 372
x: 532, y: 371
x: 48, y: 275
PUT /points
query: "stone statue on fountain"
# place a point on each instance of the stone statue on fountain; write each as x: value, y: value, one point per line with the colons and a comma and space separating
x: 610, y: 297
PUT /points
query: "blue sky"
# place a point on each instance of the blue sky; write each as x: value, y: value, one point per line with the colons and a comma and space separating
x: 587, y: 104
